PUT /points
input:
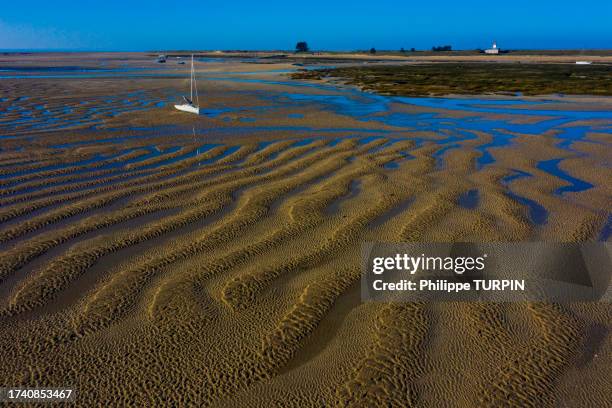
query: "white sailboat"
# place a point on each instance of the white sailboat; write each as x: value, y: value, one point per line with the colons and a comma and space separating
x: 189, y: 105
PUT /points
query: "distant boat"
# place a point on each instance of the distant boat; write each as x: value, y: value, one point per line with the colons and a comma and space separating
x: 161, y: 59
x: 583, y: 62
x: 189, y: 105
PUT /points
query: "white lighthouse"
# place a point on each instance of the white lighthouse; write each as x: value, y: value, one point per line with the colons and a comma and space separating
x: 493, y: 49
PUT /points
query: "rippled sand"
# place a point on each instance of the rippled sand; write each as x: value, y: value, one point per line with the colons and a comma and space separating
x: 153, y: 258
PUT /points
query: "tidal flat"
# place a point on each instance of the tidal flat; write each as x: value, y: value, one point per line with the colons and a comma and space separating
x: 150, y: 257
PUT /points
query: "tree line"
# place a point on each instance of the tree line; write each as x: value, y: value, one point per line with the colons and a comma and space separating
x: 302, y: 46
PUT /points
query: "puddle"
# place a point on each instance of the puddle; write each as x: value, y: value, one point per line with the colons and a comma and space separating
x: 536, y: 213
x: 486, y: 158
x: 215, y: 113
x: 227, y: 152
x: 606, y: 231
x: 576, y: 184
x: 206, y: 59
x: 365, y: 140
x: 353, y: 105
x: 383, y: 146
x: 497, y: 106
x: 391, y: 165
x: 302, y: 142
x: 469, y: 199
x: 396, y: 163
x: 439, y: 155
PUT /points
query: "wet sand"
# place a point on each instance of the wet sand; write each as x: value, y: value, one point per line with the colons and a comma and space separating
x: 154, y: 258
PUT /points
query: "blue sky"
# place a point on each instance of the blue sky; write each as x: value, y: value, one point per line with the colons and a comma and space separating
x: 334, y: 25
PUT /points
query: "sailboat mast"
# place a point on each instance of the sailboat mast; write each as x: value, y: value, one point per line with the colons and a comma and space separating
x: 195, y: 86
x: 191, y: 79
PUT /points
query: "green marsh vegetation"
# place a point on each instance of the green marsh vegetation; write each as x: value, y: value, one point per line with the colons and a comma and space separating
x: 473, y: 78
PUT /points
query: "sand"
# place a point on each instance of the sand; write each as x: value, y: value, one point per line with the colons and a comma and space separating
x: 152, y: 258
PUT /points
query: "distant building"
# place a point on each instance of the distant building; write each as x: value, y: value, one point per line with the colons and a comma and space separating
x: 493, y: 49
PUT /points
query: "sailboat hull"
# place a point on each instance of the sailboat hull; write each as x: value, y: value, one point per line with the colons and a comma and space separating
x: 188, y: 108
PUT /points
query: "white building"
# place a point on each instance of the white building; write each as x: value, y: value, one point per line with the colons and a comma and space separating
x: 493, y: 49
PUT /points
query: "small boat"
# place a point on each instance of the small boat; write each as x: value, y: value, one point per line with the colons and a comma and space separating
x: 189, y: 105
x: 161, y: 59
x: 584, y: 62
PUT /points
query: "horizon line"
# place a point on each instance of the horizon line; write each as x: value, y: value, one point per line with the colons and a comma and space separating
x: 42, y: 50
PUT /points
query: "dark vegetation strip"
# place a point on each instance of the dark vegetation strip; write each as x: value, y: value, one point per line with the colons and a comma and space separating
x: 473, y: 78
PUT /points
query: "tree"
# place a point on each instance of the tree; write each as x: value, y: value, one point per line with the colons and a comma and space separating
x: 402, y: 50
x: 372, y: 50
x: 442, y: 48
x: 301, y: 46
x: 412, y: 50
